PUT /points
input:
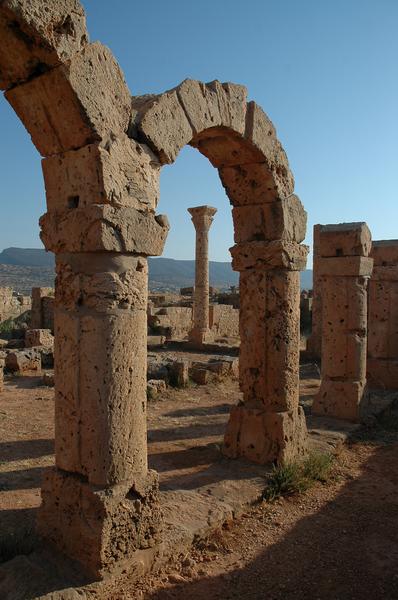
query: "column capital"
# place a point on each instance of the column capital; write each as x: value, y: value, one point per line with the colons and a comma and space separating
x: 202, y: 216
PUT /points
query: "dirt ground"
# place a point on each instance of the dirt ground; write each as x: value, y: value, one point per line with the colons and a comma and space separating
x: 337, y: 541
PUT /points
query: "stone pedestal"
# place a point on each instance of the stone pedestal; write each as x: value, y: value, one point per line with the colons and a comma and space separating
x: 202, y: 218
x: 314, y: 341
x: 345, y: 269
x: 269, y: 425
x: 382, y: 365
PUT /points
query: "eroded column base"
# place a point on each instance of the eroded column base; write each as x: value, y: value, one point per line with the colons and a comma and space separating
x: 339, y: 399
x: 102, y: 528
x: 198, y: 337
x: 264, y: 437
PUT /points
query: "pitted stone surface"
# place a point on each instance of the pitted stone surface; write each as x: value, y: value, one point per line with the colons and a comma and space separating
x: 344, y: 319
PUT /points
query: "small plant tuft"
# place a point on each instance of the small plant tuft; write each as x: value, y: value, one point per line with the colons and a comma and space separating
x: 296, y: 477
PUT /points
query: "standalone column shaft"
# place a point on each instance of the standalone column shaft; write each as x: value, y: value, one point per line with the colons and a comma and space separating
x: 202, y: 218
x: 314, y: 341
x: 345, y: 269
x: 269, y: 425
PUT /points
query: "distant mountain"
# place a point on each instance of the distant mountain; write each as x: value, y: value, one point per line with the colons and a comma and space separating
x: 22, y: 268
x: 27, y: 257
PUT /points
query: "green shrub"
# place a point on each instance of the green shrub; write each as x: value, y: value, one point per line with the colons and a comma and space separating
x: 297, y: 477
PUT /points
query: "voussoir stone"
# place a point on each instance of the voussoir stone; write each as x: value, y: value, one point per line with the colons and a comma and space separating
x: 101, y: 227
x: 160, y: 121
x: 213, y: 104
x: 74, y: 104
x: 261, y: 133
x: 121, y: 172
x: 36, y: 36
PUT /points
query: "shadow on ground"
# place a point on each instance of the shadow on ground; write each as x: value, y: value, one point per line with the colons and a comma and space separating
x: 346, y: 551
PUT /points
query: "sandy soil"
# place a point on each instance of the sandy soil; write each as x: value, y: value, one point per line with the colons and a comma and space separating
x: 337, y: 541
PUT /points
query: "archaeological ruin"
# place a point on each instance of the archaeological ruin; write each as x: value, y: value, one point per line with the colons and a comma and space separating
x: 102, y: 153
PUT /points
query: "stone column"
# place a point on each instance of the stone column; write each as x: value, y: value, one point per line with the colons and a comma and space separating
x: 268, y: 425
x: 202, y: 218
x: 2, y: 363
x: 345, y: 268
x: 36, y: 315
x: 314, y: 341
x: 99, y: 503
x: 382, y: 367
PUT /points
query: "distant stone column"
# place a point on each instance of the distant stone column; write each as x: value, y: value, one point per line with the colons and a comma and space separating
x: 314, y: 341
x: 382, y: 366
x: 202, y: 218
x: 345, y: 268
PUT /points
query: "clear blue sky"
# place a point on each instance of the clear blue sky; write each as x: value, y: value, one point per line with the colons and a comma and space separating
x: 325, y: 71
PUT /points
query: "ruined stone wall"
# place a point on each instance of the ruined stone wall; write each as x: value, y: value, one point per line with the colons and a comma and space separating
x: 42, y: 312
x: 11, y: 305
x: 382, y: 366
x: 224, y: 321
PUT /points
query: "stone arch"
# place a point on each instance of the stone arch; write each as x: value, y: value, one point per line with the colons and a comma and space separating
x: 269, y: 223
x: 102, y: 154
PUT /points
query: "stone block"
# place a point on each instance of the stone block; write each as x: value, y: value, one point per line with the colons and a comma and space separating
x: 387, y: 273
x: 213, y: 104
x: 155, y: 387
x: 269, y: 255
x: 250, y: 184
x: 105, y: 529
x: 121, y: 172
x: 75, y: 104
x: 281, y: 219
x: 87, y: 344
x: 269, y: 350
x: 382, y: 373
x: 200, y: 375
x: 24, y: 362
x: 225, y: 148
x: 39, y: 337
x: 102, y: 227
x: 262, y: 135
x: 385, y: 253
x: 339, y: 399
x: 263, y: 437
x: 345, y: 266
x: 345, y: 239
x: 179, y: 373
x: 48, y: 379
x: 162, y: 124
x: 36, y: 36
x: 2, y: 364
x: 156, y: 341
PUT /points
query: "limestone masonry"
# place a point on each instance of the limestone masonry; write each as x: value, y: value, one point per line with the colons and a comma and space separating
x: 102, y: 153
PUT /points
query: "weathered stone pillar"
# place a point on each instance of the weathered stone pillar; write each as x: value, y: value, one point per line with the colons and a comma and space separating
x: 202, y: 218
x: 345, y: 268
x: 382, y: 367
x: 269, y: 425
x: 314, y: 341
x: 100, y: 501
x: 36, y: 314
x: 2, y: 363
